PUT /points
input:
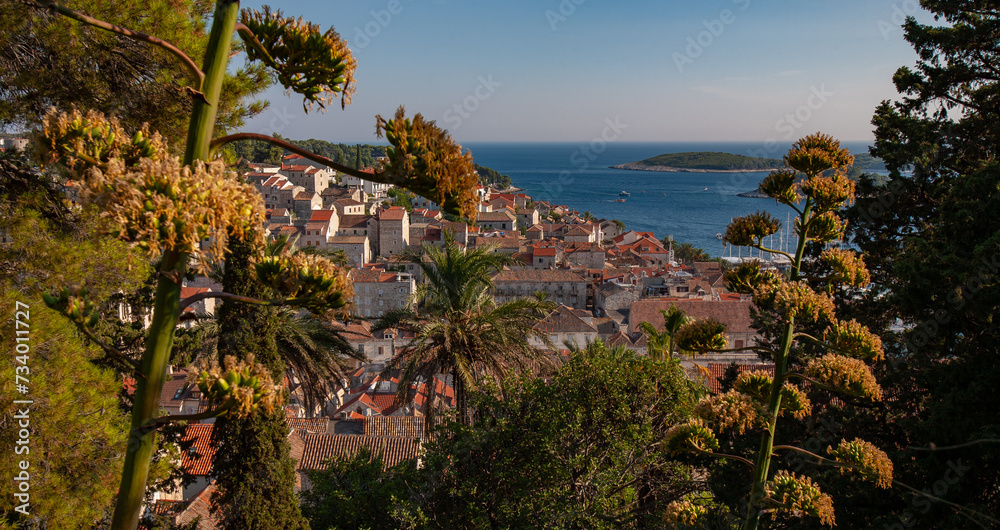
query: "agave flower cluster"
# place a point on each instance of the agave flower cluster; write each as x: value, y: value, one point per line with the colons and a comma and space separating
x: 156, y: 202
x: 311, y: 281
x: 424, y: 159
x: 316, y: 64
x: 864, y: 457
x: 683, y: 513
x: 238, y: 388
x: 78, y: 141
x: 815, y: 186
x: 800, y: 496
x: 75, y: 304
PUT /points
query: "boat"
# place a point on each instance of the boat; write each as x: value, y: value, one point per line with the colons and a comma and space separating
x: 706, y: 189
x: 619, y: 200
x: 624, y: 194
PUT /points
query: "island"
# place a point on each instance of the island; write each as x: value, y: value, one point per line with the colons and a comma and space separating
x: 704, y: 162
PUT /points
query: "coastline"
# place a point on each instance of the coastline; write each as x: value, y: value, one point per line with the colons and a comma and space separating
x: 633, y: 166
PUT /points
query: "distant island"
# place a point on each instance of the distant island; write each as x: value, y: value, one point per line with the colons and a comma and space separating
x: 703, y: 162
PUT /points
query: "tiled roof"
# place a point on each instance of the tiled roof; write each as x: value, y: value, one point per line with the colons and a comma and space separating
x: 564, y: 320
x: 323, y: 216
x: 734, y: 314
x: 321, y: 447
x: 354, y: 221
x: 579, y: 230
x: 718, y: 370
x: 395, y: 213
x: 395, y: 426
x: 200, y: 508
x: 293, y: 167
x: 198, y: 459
x: 538, y: 275
x: 174, y: 383
x: 494, y: 217
x: 347, y: 240
x: 304, y: 196
x: 545, y: 251
x: 313, y: 425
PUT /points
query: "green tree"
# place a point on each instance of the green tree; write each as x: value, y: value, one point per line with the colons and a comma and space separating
x: 796, y: 304
x: 357, y: 493
x: 929, y: 233
x: 660, y: 344
x: 460, y: 329
x: 577, y: 451
x: 688, y: 253
x: 75, y: 425
x: 168, y: 205
x: 52, y: 61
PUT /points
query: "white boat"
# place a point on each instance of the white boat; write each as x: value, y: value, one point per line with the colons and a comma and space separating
x: 624, y: 194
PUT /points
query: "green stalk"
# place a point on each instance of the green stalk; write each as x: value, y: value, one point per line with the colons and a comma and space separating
x: 762, y: 469
x: 203, y: 114
x: 142, y: 438
x: 166, y: 305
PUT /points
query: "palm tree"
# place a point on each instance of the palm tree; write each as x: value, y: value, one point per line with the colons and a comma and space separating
x: 460, y: 329
x: 660, y: 344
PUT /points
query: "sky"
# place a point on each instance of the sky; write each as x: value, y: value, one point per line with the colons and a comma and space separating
x: 637, y: 70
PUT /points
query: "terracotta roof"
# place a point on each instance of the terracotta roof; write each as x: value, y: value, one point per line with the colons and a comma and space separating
x: 718, y: 370
x: 579, y: 230
x: 538, y: 275
x: 545, y: 251
x: 395, y: 213
x: 354, y: 221
x: 174, y: 383
x: 395, y: 426
x: 304, y: 196
x: 734, y: 314
x: 313, y: 425
x: 198, y: 459
x: 321, y: 216
x: 294, y: 167
x: 321, y: 447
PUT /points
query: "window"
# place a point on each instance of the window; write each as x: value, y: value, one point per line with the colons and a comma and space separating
x: 739, y: 344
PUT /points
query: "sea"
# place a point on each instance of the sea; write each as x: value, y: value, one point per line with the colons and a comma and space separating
x: 692, y: 207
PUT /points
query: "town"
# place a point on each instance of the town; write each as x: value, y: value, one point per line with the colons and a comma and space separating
x: 604, y: 279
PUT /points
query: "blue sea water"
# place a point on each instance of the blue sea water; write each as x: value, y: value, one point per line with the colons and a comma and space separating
x: 693, y: 207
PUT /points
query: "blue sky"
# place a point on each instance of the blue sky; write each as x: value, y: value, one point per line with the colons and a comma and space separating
x: 560, y: 70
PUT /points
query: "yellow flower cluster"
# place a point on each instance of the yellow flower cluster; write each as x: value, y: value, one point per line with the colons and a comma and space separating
x: 315, y: 64
x: 246, y: 385
x: 829, y: 193
x: 851, y: 376
x: 756, y: 384
x: 800, y: 496
x: 824, y: 228
x: 817, y: 153
x: 795, y: 300
x: 865, y: 458
x: 780, y: 186
x: 79, y: 141
x: 690, y: 436
x: 683, y: 513
x: 164, y: 206
x: 749, y: 230
x: 853, y: 339
x: 312, y: 281
x: 747, y: 277
x: 732, y: 410
x: 701, y: 336
x: 794, y: 401
x: 424, y: 159
x: 848, y: 267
